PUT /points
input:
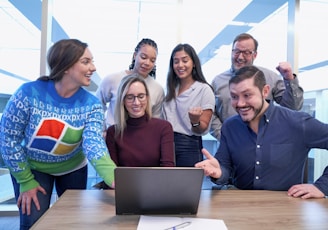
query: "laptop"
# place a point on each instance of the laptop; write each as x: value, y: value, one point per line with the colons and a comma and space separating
x: 157, y: 190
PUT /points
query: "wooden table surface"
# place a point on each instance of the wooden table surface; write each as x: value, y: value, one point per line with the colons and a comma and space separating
x: 240, y: 209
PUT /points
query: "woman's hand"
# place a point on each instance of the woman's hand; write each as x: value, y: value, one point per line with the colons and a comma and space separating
x: 25, y: 199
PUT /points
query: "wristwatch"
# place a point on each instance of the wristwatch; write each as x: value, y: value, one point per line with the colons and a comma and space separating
x: 195, y: 124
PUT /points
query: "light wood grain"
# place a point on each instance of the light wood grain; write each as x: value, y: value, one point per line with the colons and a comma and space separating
x: 240, y: 209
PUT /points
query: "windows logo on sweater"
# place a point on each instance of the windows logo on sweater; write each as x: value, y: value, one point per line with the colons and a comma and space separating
x: 56, y: 137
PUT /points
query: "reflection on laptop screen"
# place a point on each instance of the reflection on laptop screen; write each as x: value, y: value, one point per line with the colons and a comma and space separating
x: 157, y: 190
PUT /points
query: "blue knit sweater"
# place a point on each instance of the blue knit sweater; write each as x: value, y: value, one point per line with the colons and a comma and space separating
x: 43, y: 131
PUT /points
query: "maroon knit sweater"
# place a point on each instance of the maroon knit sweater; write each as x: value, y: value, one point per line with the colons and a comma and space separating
x: 146, y: 142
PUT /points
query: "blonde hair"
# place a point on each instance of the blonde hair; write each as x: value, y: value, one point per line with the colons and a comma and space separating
x: 121, y: 114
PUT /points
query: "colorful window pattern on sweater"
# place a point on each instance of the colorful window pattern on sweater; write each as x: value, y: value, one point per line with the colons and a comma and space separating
x: 56, y: 137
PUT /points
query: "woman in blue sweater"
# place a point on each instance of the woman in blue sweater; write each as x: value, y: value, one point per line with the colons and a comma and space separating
x: 50, y: 128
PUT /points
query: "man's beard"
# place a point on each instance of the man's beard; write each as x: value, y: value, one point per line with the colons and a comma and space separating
x: 256, y: 112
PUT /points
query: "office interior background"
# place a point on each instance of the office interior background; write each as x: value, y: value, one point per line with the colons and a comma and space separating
x: 287, y: 30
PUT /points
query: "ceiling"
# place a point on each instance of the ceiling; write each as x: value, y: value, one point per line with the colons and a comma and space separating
x: 208, y: 25
x: 252, y: 14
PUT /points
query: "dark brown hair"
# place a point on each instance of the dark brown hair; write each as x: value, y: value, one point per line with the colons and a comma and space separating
x: 63, y: 55
x: 144, y: 41
x: 248, y: 72
x: 173, y: 80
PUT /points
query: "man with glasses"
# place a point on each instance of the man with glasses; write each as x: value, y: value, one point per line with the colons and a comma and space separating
x: 284, y: 89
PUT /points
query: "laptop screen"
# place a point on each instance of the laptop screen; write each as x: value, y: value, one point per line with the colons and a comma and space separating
x: 157, y: 190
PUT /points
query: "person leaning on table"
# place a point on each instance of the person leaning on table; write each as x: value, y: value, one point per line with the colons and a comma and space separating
x: 265, y: 146
x: 51, y: 128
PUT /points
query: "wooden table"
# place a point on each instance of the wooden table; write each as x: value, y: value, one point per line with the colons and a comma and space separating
x: 95, y: 209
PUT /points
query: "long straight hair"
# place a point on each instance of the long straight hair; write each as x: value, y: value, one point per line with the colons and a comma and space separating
x: 173, y: 80
x: 121, y: 114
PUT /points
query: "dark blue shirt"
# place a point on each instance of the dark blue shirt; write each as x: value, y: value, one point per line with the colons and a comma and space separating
x: 274, y: 158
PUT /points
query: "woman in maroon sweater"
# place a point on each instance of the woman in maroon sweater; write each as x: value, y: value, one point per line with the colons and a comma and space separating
x: 137, y: 139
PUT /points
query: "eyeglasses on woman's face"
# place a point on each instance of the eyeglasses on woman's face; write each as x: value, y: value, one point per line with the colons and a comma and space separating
x: 130, y: 98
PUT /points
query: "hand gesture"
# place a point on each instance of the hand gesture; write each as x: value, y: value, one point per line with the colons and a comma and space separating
x: 285, y: 69
x: 211, y: 166
x: 25, y: 199
x: 194, y: 114
x: 305, y: 191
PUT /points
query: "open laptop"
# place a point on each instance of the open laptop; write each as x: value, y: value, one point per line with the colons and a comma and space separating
x: 157, y: 190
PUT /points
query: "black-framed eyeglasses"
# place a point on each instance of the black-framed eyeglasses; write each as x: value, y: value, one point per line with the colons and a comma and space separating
x: 246, y: 53
x: 130, y: 97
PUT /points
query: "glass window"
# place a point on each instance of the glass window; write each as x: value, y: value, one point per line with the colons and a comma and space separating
x: 113, y: 28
